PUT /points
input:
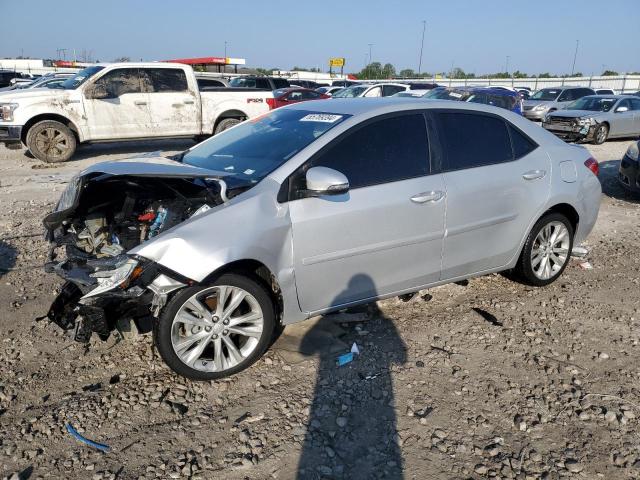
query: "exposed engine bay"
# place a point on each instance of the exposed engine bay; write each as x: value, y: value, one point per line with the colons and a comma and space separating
x: 99, y: 218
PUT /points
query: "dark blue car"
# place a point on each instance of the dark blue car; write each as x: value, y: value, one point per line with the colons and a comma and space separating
x: 498, y: 97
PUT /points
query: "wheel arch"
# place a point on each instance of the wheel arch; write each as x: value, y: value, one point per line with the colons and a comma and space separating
x: 231, y: 113
x: 567, y: 210
x: 253, y: 268
x: 49, y: 116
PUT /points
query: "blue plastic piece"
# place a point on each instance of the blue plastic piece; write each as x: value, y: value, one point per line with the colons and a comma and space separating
x: 344, y: 359
x: 100, y: 446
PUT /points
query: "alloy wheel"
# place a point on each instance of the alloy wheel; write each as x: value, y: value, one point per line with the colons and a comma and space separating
x: 52, y: 142
x: 217, y: 328
x: 550, y: 250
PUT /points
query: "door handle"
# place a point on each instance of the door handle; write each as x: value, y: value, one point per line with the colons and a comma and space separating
x: 424, y: 197
x: 534, y: 174
x: 189, y: 102
x: 139, y: 102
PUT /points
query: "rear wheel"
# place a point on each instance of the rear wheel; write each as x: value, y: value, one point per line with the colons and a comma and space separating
x: 546, y: 251
x: 51, y: 141
x: 226, y: 124
x: 601, y: 134
x: 211, y: 332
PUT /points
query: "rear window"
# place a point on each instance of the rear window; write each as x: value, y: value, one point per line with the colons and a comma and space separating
x: 472, y: 140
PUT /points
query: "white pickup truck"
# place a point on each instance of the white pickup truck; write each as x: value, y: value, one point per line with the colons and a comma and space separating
x: 122, y: 101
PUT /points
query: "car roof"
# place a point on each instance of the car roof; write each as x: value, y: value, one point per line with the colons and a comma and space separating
x: 360, y: 106
x: 616, y: 97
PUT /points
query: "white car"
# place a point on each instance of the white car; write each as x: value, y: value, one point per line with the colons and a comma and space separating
x: 328, y: 90
x: 411, y: 93
x: 122, y: 101
x: 372, y: 90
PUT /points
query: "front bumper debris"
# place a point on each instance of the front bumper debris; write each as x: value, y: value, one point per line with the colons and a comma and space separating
x: 570, y: 132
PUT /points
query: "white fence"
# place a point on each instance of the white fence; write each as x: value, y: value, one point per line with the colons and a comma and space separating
x: 619, y: 84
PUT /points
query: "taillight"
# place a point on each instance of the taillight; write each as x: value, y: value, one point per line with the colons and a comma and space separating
x: 272, y: 103
x: 592, y: 165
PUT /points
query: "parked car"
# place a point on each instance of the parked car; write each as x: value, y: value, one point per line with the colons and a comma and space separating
x: 264, y: 83
x: 604, y: 91
x: 371, y: 90
x: 411, y: 93
x: 310, y: 209
x: 288, y: 96
x: 7, y: 75
x: 635, y: 94
x: 205, y: 83
x: 46, y: 81
x: 344, y: 83
x: 328, y: 90
x: 296, y: 82
x: 551, y: 99
x: 596, y: 118
x: 121, y: 101
x: 629, y: 171
x: 498, y: 97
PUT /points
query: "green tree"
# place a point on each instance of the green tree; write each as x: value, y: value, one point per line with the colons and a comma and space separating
x: 371, y: 71
x: 545, y: 75
x: 519, y: 74
x: 388, y: 71
x: 407, y: 73
x: 610, y: 73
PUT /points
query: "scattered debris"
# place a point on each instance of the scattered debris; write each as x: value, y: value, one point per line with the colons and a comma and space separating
x: 585, y: 266
x: 579, y: 252
x: 100, y: 446
x: 344, y: 359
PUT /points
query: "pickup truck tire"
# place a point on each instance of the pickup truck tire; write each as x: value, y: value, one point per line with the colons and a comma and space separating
x: 51, y: 141
x: 226, y: 124
x: 202, y: 339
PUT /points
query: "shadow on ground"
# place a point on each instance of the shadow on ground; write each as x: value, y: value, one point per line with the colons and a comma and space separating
x: 611, y: 186
x: 8, y: 256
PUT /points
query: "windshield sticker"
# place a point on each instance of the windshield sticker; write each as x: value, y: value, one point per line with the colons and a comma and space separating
x: 321, y: 117
x: 455, y: 94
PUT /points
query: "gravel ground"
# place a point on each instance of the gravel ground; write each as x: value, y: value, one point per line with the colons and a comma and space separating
x: 491, y: 379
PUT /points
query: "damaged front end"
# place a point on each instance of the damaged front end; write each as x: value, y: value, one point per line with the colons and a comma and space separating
x: 105, y: 212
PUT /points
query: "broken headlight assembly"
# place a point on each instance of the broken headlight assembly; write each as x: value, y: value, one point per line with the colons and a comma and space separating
x: 124, y: 272
x: 6, y: 111
x: 586, y: 121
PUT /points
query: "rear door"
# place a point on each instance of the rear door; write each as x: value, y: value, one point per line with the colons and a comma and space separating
x: 384, y: 235
x: 497, y: 182
x: 635, y: 106
x: 173, y: 105
x: 125, y: 111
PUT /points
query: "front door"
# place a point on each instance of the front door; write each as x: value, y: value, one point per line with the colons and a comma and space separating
x: 497, y: 181
x: 384, y: 235
x: 124, y: 113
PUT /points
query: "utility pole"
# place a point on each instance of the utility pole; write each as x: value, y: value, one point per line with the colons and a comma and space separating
x: 225, y: 49
x: 370, y: 61
x: 573, y: 67
x: 506, y: 65
x: 424, y: 27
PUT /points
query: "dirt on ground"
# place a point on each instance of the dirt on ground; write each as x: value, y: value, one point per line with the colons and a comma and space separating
x: 482, y: 379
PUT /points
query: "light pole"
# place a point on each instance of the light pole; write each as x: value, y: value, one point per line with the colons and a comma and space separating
x: 225, y: 49
x: 506, y: 65
x: 370, y: 60
x: 573, y: 67
x: 424, y: 27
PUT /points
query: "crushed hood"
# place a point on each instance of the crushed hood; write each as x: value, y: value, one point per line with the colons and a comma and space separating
x: 576, y: 113
x: 152, y: 165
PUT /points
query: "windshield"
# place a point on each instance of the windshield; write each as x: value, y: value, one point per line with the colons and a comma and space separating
x: 350, y: 92
x: 255, y: 148
x: 444, y: 94
x: 546, y: 94
x: 593, y: 104
x: 80, y: 77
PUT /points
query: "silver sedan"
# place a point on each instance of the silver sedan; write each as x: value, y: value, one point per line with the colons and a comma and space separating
x: 596, y: 118
x: 310, y: 209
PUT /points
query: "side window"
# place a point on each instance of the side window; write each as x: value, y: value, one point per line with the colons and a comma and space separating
x: 388, y: 90
x: 121, y: 81
x: 383, y: 151
x: 374, y: 92
x: 472, y: 140
x: 167, y: 79
x: 624, y: 103
x: 521, y: 144
x: 262, y: 83
x: 635, y: 103
x: 310, y: 95
x: 585, y: 91
x: 295, y: 96
x: 566, y: 96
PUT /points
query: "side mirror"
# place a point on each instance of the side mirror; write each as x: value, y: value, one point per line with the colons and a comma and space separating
x: 97, y: 91
x: 622, y: 109
x: 325, y: 181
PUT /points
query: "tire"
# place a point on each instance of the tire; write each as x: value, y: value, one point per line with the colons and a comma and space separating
x: 601, y: 134
x: 51, y: 141
x: 212, y: 357
x: 530, y: 265
x: 226, y: 124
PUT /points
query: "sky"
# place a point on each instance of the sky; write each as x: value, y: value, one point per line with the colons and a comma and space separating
x: 477, y: 36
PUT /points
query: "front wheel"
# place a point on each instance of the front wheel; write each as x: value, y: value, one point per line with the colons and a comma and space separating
x: 601, y: 134
x: 546, y: 251
x: 211, y: 332
x: 51, y: 141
